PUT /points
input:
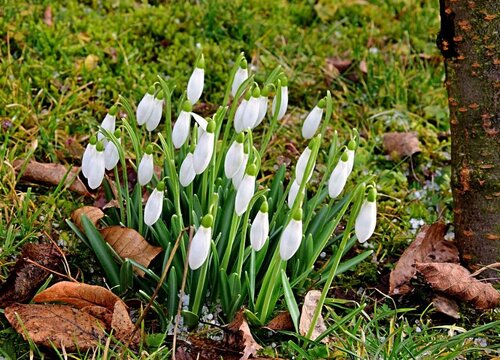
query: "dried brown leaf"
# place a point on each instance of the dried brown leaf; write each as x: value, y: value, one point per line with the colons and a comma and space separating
x: 51, y: 174
x: 122, y: 324
x: 446, y: 306
x: 100, y: 312
x: 93, y: 213
x: 401, y: 144
x: 129, y: 244
x: 455, y: 280
x: 240, y: 336
x: 58, y: 325
x: 310, y: 305
x: 282, y: 321
x: 340, y: 64
x: 428, y: 246
x: 25, y: 278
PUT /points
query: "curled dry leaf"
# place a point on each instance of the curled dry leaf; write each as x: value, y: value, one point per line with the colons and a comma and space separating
x: 455, y: 280
x: 129, y: 244
x: 25, y: 278
x: 310, y: 305
x: 240, y: 337
x: 93, y: 213
x: 282, y: 321
x: 401, y: 144
x: 428, y: 246
x: 51, y: 174
x: 446, y: 306
x: 58, y: 325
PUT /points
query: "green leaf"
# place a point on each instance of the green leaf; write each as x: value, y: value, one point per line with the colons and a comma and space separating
x: 293, y: 308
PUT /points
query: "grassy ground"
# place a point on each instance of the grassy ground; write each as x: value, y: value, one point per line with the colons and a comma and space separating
x: 59, y: 80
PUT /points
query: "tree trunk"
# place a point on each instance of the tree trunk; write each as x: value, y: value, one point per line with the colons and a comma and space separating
x: 470, y: 42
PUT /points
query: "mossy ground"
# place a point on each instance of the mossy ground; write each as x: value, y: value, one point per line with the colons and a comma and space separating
x: 59, y: 80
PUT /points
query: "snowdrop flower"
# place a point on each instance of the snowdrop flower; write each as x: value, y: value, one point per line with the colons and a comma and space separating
x: 311, y: 123
x: 186, y: 172
x: 154, y: 206
x: 196, y: 81
x: 200, y: 245
x: 111, y: 155
x: 239, y: 124
x: 145, y: 106
x: 234, y: 156
x: 108, y: 123
x: 301, y: 166
x: 263, y: 101
x: 96, y: 167
x: 339, y: 176
x: 245, y: 191
x: 260, y: 227
x: 292, y: 194
x: 252, y: 109
x: 284, y: 99
x: 204, y: 149
x: 236, y: 179
x: 88, y: 156
x: 351, y: 148
x: 146, y: 167
x: 367, y: 217
x: 291, y: 236
x: 180, y: 132
x: 157, y: 107
x: 240, y: 76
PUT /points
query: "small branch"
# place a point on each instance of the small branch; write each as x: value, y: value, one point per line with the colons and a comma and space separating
x: 490, y: 266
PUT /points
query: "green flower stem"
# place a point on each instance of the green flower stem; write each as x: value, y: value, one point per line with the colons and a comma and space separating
x: 358, y: 199
x: 120, y: 196
x: 235, y: 222
x: 328, y: 113
x: 269, y: 298
x: 274, y: 121
x: 200, y: 288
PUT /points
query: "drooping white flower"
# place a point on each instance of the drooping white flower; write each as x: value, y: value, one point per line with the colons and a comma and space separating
x: 154, y: 205
x: 351, y: 152
x: 157, y: 109
x: 200, y: 120
x: 200, y: 245
x: 300, y: 169
x: 338, y: 178
x: 234, y: 156
x: 108, y: 123
x: 111, y: 155
x: 312, y: 121
x: 245, y: 191
x: 259, y: 231
x: 180, y: 132
x: 204, y: 149
x: 263, y: 101
x: 292, y: 194
x: 186, y: 172
x: 145, y: 107
x: 146, y: 167
x: 284, y: 100
x: 236, y: 179
x: 367, y: 217
x: 291, y: 237
x: 240, y: 76
x: 96, y: 167
x: 252, y: 109
x: 196, y: 81
x: 239, y: 124
x: 88, y: 155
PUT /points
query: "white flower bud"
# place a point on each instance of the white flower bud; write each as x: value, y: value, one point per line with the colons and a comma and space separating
x: 111, y: 155
x: 236, y: 179
x: 338, y: 179
x: 240, y: 77
x: 259, y: 230
x: 96, y: 169
x: 300, y: 169
x: 88, y: 156
x: 350, y: 160
x: 203, y: 152
x: 234, y: 159
x: 109, y: 124
x: 263, y: 101
x: 290, y: 239
x: 366, y: 221
x: 283, y: 104
x: 239, y: 124
x: 195, y: 85
x: 180, y: 132
x: 153, y: 208
x: 311, y: 123
x: 145, y: 108
x: 200, y: 247
x: 251, y: 113
x: 186, y: 172
x: 155, y: 116
x: 292, y: 194
x: 244, y: 194
x: 145, y: 170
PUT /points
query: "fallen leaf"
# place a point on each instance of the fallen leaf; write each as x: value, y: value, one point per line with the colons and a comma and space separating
x: 310, y: 305
x: 446, y: 306
x: 51, y: 174
x: 428, y: 246
x: 93, y: 213
x: 25, y: 278
x: 455, y: 280
x: 47, y: 16
x: 401, y: 144
x: 282, y: 321
x: 121, y: 323
x: 91, y: 62
x: 342, y: 65
x: 240, y: 336
x: 129, y: 244
x: 99, y: 312
x: 58, y: 325
x: 363, y: 67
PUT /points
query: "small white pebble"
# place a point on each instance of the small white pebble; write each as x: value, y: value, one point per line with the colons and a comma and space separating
x: 322, y: 255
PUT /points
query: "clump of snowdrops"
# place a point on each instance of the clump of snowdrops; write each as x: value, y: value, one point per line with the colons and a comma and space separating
x: 257, y: 237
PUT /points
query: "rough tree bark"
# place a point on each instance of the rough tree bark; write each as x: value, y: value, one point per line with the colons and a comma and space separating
x: 470, y: 42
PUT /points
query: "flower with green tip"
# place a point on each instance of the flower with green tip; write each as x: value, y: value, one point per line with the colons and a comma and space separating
x: 154, y: 118
x: 240, y: 77
x: 111, y: 155
x: 367, y: 217
x: 108, y: 123
x: 234, y: 156
x: 301, y: 166
x: 88, y: 156
x: 291, y: 236
x: 284, y: 99
x: 293, y: 192
x: 96, y: 167
x: 259, y: 232
x: 204, y: 149
x: 239, y: 123
x: 351, y: 153
x: 236, y: 179
x: 200, y: 245
x: 263, y: 103
x: 196, y: 81
x: 251, y: 113
x: 186, y: 172
x: 245, y: 191
x: 146, y: 167
x: 180, y: 132
x: 154, y: 205
x: 145, y: 107
x: 312, y: 121
x: 339, y: 176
